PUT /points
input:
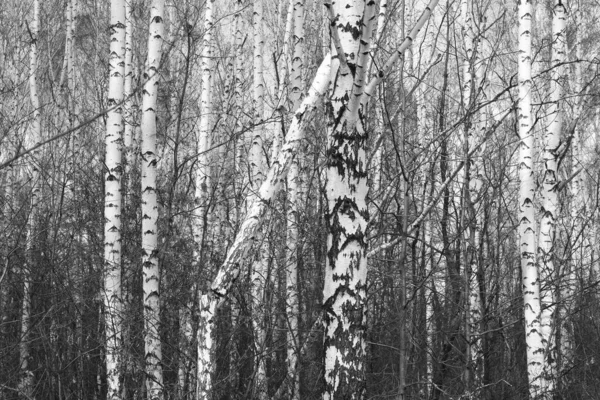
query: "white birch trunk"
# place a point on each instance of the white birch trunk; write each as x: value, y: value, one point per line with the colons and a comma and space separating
x: 580, y: 256
x: 257, y: 165
x: 239, y: 23
x: 72, y: 53
x: 426, y: 136
x: 284, y: 61
x: 379, y: 146
x: 112, y: 202
x: 204, y: 363
x: 129, y: 104
x: 429, y: 288
x: 549, y: 211
x: 529, y: 270
x: 471, y: 88
x: 207, y: 306
x: 346, y: 215
x: 151, y: 268
x: 294, y: 192
x: 64, y: 78
x: 296, y: 77
x: 26, y: 384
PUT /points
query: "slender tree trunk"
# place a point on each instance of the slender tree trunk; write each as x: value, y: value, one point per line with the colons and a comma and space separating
x: 112, y: 202
x: 151, y: 268
x: 207, y: 307
x: 26, y: 385
x: 257, y: 163
x: 578, y: 241
x: 205, y: 365
x: 529, y: 271
x: 129, y: 106
x: 471, y: 190
x: 549, y: 211
x: 284, y: 63
x: 294, y: 192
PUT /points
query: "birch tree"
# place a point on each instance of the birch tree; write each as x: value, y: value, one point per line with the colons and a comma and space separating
x: 151, y: 268
x: 35, y: 136
x: 472, y: 85
x: 256, y: 173
x: 529, y: 270
x: 579, y: 206
x: 549, y: 192
x: 112, y: 204
x: 294, y: 187
x: 202, y: 179
x: 344, y: 294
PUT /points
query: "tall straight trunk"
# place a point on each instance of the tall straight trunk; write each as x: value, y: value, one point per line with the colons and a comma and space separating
x: 380, y: 106
x: 112, y: 202
x: 129, y: 105
x: 205, y: 366
x: 207, y: 306
x: 72, y: 58
x: 151, y: 268
x: 527, y: 246
x: 27, y: 377
x: 294, y: 194
x: 257, y: 163
x: 239, y: 68
x: 131, y: 150
x: 284, y: 62
x: 346, y: 215
x: 549, y: 211
x: 472, y: 187
x: 404, y: 191
x: 578, y: 239
x: 67, y: 67
x: 239, y: 160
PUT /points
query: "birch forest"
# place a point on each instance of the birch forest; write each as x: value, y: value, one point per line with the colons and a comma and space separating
x: 299, y: 199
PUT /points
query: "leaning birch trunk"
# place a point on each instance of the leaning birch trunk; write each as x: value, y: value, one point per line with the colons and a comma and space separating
x: 550, y: 199
x: 204, y: 363
x: 294, y: 193
x: 529, y: 271
x: 151, y: 268
x: 27, y: 377
x: 230, y: 270
x: 112, y: 202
